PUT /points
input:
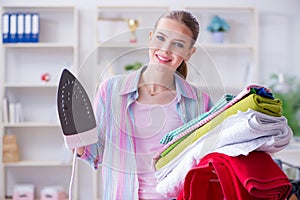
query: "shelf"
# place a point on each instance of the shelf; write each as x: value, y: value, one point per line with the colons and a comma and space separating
x: 41, y: 7
x: 34, y: 199
x: 111, y: 44
x: 112, y: 24
x: 121, y: 44
x: 227, y: 46
x: 31, y: 125
x: 29, y: 86
x: 37, y: 164
x: 44, y: 158
x: 224, y: 8
x: 52, y: 27
x: 39, y: 45
x: 10, y: 198
x: 243, y: 22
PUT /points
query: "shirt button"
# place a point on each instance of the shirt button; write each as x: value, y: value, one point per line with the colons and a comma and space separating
x: 183, y: 115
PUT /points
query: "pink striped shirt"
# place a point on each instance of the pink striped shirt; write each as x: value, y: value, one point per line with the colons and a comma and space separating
x: 115, y: 150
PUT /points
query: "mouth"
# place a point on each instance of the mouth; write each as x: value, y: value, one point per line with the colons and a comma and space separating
x: 163, y: 59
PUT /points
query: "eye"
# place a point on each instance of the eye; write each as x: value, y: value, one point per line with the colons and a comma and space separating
x: 179, y: 44
x: 161, y: 38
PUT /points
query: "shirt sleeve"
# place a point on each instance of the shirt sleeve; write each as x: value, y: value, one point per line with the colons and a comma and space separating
x: 208, y: 104
x: 93, y: 154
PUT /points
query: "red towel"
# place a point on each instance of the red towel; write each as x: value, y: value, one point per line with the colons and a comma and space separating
x: 253, y: 177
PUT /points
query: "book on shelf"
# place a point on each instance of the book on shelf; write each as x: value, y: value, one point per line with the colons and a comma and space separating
x: 20, y: 27
x: 5, y: 28
x: 13, y: 27
x: 15, y: 113
x: 5, y: 118
x: 35, y: 17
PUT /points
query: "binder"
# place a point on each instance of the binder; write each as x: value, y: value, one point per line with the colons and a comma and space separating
x: 20, y: 27
x: 35, y: 18
x: 13, y: 28
x: 27, y: 33
x: 5, y: 28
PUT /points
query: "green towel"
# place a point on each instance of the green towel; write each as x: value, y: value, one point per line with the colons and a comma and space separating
x: 219, y: 105
x: 255, y: 102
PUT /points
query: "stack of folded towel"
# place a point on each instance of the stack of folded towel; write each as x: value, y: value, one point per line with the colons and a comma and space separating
x: 251, y: 121
x: 218, y: 176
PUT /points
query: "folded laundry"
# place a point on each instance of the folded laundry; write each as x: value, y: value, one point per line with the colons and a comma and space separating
x: 252, y: 130
x: 221, y: 103
x: 203, y: 136
x: 187, y: 128
x: 272, y: 107
x: 239, y: 134
x: 218, y: 176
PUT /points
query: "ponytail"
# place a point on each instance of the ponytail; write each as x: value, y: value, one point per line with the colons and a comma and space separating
x: 182, y: 70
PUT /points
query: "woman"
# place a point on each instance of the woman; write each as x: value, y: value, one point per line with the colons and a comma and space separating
x: 134, y: 111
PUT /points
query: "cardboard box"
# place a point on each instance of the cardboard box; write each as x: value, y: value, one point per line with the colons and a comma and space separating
x: 9, y: 139
x: 11, y: 157
x: 10, y: 148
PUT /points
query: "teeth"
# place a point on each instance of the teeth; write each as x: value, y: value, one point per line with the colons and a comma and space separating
x: 163, y: 58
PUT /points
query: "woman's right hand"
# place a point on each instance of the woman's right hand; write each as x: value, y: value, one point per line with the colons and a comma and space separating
x: 80, y: 151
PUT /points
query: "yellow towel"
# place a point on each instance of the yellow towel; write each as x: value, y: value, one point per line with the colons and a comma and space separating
x: 255, y: 102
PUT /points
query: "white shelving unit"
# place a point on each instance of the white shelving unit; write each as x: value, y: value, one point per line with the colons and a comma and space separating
x: 240, y: 49
x: 44, y: 160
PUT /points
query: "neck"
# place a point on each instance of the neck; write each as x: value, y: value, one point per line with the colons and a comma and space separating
x: 157, y: 79
x: 159, y: 75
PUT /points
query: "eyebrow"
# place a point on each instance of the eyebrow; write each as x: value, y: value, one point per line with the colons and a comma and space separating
x: 179, y: 40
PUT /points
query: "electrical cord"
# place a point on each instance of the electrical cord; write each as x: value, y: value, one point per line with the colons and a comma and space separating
x: 72, y: 175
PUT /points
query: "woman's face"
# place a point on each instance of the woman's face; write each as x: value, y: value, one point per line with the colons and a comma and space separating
x: 170, y: 43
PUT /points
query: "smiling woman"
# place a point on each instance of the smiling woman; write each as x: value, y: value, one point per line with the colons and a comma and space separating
x: 171, y: 40
x: 135, y: 110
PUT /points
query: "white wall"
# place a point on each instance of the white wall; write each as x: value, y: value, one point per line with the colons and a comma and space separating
x: 279, y: 49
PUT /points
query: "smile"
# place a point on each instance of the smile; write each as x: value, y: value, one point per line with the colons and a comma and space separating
x: 163, y: 58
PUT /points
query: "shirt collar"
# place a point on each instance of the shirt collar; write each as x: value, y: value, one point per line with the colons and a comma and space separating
x: 183, y: 88
x: 131, y: 81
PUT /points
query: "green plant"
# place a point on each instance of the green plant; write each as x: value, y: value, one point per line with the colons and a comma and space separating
x: 287, y: 89
x: 217, y: 24
x: 133, y: 66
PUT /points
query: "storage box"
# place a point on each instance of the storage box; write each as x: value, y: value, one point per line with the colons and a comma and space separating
x: 10, y: 149
x: 23, y: 192
x: 53, y: 193
x: 9, y: 139
x: 11, y: 157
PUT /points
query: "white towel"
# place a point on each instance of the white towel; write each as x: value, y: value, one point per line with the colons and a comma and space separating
x: 239, y: 134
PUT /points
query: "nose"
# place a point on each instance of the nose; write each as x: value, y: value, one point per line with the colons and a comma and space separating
x: 167, y: 47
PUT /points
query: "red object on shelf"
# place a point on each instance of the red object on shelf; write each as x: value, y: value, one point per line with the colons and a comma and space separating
x: 46, y: 77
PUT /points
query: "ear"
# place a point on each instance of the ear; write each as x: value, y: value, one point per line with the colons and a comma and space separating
x: 150, y: 35
x: 150, y: 38
x: 191, y: 52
